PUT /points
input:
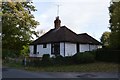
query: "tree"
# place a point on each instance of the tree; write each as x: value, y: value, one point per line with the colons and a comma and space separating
x: 18, y: 25
x: 114, y: 21
x: 25, y: 51
x: 105, y: 38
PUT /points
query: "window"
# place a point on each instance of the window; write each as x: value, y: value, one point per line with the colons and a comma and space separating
x: 44, y: 45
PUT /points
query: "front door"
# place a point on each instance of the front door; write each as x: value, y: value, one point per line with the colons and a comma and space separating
x: 55, y: 48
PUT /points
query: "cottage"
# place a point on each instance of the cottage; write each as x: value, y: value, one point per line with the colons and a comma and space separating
x: 62, y: 41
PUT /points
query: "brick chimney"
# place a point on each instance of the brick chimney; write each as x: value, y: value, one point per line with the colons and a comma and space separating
x: 57, y: 23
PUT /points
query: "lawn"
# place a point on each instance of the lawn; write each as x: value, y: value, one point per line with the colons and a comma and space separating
x: 89, y: 67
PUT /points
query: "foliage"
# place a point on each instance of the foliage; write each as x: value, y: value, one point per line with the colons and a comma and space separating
x: 58, y: 60
x: 107, y: 54
x: 90, y: 67
x: 37, y: 62
x: 0, y: 13
x: 18, y: 24
x: 9, y: 53
x: 85, y: 57
x: 34, y: 62
x: 25, y: 51
x: 46, y: 60
x: 105, y: 38
x: 68, y: 60
x: 114, y: 21
x: 46, y: 57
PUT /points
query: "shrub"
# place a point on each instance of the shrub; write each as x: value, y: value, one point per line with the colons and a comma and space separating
x: 107, y: 54
x: 58, y: 60
x: 9, y: 53
x: 34, y: 62
x: 45, y: 57
x: 68, y: 60
x: 84, y: 57
x: 46, y: 60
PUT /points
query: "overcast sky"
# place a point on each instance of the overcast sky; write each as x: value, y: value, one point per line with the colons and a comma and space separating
x: 81, y: 16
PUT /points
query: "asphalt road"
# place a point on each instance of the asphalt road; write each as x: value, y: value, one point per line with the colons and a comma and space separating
x: 16, y: 73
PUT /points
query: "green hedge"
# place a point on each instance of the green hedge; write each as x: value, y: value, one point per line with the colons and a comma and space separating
x: 85, y: 57
x: 108, y: 55
x: 58, y: 60
x: 45, y: 61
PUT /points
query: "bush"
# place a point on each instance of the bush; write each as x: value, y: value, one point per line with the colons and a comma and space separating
x: 9, y: 53
x: 107, y: 54
x: 45, y: 57
x: 34, y: 62
x: 46, y: 60
x: 84, y: 57
x: 68, y: 60
x: 58, y: 60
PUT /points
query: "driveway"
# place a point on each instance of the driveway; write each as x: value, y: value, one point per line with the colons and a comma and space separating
x: 16, y: 73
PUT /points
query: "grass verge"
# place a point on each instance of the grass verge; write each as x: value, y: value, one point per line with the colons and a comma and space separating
x: 90, y: 67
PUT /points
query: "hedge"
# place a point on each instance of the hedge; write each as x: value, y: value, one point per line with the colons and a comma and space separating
x: 84, y: 57
x: 108, y: 55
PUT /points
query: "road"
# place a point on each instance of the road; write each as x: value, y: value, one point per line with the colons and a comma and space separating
x: 16, y: 73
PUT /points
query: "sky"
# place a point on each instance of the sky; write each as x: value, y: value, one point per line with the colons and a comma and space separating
x: 81, y: 16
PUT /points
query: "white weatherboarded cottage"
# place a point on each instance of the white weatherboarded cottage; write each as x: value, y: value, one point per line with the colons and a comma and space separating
x: 62, y: 41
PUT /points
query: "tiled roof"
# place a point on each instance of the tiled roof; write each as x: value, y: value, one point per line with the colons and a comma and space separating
x: 85, y: 38
x: 63, y: 34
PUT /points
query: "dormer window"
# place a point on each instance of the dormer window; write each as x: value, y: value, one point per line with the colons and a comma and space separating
x: 44, y: 45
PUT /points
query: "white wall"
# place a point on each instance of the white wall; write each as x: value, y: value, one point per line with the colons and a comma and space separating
x: 93, y: 47
x: 41, y: 50
x: 99, y: 46
x: 70, y: 49
x: 62, y: 49
x: 35, y: 55
x: 83, y: 47
x: 31, y: 48
x: 88, y: 47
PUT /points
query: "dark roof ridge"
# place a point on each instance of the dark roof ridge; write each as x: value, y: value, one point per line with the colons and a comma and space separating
x: 70, y: 30
x: 82, y: 34
x: 87, y: 35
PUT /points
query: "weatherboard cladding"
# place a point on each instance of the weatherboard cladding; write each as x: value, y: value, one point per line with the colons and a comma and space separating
x: 63, y: 34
